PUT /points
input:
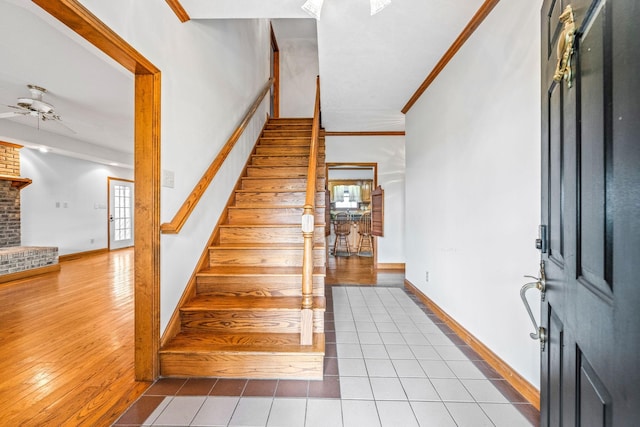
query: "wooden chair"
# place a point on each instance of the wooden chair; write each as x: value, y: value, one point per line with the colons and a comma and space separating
x: 364, y: 230
x: 342, y: 228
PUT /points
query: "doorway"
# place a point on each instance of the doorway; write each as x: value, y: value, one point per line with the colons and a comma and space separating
x: 121, y: 213
x: 349, y: 187
x: 147, y: 174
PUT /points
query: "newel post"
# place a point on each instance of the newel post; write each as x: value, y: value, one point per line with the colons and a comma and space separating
x: 306, y: 324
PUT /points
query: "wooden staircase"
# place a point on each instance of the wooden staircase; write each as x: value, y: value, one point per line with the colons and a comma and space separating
x: 244, y: 318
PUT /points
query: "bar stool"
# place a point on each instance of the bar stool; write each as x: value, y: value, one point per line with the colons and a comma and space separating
x: 342, y: 228
x: 364, y: 230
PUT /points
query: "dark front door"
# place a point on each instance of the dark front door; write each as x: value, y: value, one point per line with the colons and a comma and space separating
x: 591, y: 212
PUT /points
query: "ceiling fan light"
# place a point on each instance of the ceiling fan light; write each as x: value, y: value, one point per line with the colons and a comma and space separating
x: 25, y: 102
x: 313, y: 8
x: 378, y: 5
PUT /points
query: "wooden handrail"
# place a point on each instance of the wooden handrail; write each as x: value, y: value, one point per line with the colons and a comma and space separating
x: 308, y: 221
x: 192, y: 200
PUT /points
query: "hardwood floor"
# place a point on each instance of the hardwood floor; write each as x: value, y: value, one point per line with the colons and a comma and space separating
x: 66, y: 353
x: 357, y: 270
x: 66, y: 356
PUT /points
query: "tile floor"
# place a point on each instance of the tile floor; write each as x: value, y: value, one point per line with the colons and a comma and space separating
x: 389, y: 362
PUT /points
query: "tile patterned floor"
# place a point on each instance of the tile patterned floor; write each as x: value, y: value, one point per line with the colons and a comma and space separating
x: 389, y: 362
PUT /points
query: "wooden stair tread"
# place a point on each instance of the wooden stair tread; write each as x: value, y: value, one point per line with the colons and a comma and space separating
x: 274, y: 190
x: 257, y: 245
x: 192, y: 342
x: 268, y: 207
x: 261, y: 225
x: 249, y: 303
x: 278, y: 167
x: 230, y: 270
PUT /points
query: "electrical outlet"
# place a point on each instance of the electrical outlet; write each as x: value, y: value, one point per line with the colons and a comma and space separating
x: 426, y: 276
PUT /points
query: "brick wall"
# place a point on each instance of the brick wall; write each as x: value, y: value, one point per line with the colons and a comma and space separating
x: 9, y: 215
x: 23, y: 258
x: 9, y: 196
x: 9, y: 159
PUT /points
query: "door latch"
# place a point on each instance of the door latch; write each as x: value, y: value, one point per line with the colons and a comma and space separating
x: 541, y: 241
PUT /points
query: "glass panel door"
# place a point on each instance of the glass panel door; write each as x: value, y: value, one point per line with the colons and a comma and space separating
x: 120, y: 213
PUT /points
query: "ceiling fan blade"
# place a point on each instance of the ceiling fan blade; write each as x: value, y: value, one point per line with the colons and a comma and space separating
x: 17, y: 107
x: 12, y: 114
x: 57, y: 120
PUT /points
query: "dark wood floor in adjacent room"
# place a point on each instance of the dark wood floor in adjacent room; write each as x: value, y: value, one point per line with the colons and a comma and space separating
x: 360, y: 270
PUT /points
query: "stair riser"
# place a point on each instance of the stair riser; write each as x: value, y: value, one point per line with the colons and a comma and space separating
x: 258, y: 199
x: 289, y: 215
x: 280, y: 132
x: 283, y: 161
x: 237, y: 365
x: 290, y: 140
x: 282, y: 172
x: 291, y: 150
x: 260, y: 234
x: 289, y: 126
x: 249, y: 321
x: 263, y: 257
x: 256, y: 286
x: 267, y: 184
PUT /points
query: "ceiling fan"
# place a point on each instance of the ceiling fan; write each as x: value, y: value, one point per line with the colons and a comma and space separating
x: 35, y: 107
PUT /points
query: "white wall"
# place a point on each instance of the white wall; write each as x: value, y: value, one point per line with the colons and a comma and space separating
x: 81, y: 185
x: 211, y: 73
x: 298, y: 71
x: 473, y: 183
x: 389, y: 153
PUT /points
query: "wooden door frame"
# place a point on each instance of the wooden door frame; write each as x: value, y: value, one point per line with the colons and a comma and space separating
x: 146, y: 174
x: 358, y: 165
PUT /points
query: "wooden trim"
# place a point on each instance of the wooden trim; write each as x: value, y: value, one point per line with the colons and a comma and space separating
x: 276, y: 73
x: 366, y: 133
x: 16, y: 181
x: 82, y: 255
x: 192, y: 200
x: 11, y: 144
x: 391, y: 266
x: 276, y: 84
x: 147, y: 225
x: 306, y: 315
x: 274, y: 41
x: 173, y: 327
x: 147, y: 174
x: 473, y: 24
x: 377, y: 212
x: 516, y: 380
x: 177, y: 8
x: 5, y: 278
